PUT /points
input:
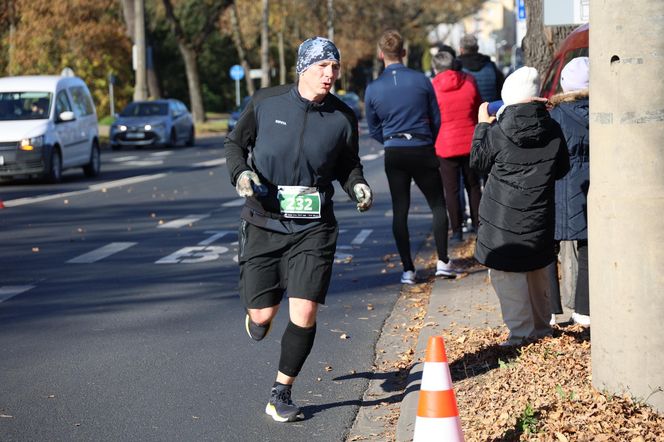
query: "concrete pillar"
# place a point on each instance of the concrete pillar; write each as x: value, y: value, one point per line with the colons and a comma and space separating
x: 626, y: 200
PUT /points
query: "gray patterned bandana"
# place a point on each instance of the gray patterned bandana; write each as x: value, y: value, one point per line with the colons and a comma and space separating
x: 313, y: 50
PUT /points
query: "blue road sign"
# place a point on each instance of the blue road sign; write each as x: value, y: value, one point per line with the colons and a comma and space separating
x: 237, y: 73
x: 521, y: 9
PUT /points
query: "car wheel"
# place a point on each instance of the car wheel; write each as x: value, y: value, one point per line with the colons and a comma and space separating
x: 94, y: 166
x: 192, y: 137
x: 173, y: 139
x: 54, y: 173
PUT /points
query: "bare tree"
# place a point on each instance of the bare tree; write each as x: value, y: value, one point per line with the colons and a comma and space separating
x: 265, y: 44
x: 238, y: 41
x: 153, y: 79
x: 190, y: 42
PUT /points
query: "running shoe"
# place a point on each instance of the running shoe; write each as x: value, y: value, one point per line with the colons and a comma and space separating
x: 255, y: 331
x: 408, y: 277
x: 446, y: 269
x: 280, y: 407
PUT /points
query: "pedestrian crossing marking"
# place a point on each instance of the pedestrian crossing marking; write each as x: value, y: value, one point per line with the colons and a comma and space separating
x: 234, y: 203
x: 9, y: 291
x: 187, y: 220
x: 101, y: 253
x: 211, y: 163
x: 361, y: 237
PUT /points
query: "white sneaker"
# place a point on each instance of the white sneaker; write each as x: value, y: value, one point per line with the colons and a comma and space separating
x: 446, y: 269
x: 408, y: 277
x: 583, y: 320
x: 552, y: 322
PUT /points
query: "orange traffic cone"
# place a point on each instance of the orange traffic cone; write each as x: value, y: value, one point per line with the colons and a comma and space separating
x: 437, y: 413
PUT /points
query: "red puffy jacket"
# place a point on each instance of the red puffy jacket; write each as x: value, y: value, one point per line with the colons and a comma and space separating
x: 458, y: 100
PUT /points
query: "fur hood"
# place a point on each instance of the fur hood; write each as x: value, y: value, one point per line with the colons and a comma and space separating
x: 568, y: 97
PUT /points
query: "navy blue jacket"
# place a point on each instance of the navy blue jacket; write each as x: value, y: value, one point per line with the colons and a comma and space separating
x: 488, y: 78
x: 402, y: 100
x: 294, y: 142
x: 572, y: 191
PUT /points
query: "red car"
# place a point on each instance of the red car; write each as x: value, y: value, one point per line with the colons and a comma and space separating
x: 575, y: 45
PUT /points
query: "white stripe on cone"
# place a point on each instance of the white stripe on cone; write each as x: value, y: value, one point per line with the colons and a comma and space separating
x: 437, y: 429
x: 436, y: 377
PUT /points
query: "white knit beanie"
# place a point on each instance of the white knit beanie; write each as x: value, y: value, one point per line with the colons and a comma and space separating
x: 520, y: 85
x: 574, y: 76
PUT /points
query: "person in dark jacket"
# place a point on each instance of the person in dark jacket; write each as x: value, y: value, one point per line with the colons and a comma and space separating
x: 571, y: 110
x: 458, y: 101
x: 402, y: 113
x: 488, y: 77
x: 301, y: 138
x: 523, y: 154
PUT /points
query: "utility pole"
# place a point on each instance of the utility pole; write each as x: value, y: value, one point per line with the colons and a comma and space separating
x: 141, y: 87
x: 626, y: 198
x: 330, y: 19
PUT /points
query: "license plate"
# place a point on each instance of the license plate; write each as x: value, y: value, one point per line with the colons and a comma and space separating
x: 2, y: 160
x: 135, y: 135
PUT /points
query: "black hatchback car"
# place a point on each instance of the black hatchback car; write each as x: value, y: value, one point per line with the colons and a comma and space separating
x: 165, y: 123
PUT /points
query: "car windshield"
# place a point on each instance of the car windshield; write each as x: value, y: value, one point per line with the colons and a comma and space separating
x: 24, y: 105
x: 145, y: 109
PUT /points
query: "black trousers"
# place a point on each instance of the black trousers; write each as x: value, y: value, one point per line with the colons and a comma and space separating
x: 450, y: 170
x: 420, y: 164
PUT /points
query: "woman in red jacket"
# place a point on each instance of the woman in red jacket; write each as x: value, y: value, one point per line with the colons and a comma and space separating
x: 458, y: 100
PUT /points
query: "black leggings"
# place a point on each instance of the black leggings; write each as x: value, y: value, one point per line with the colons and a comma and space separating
x: 450, y: 170
x: 403, y: 165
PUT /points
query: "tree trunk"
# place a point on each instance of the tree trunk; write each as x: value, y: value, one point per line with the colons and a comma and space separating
x: 11, y: 12
x: 265, y: 55
x: 282, y: 58
x: 541, y: 42
x: 239, y: 47
x: 193, y: 82
x: 153, y: 79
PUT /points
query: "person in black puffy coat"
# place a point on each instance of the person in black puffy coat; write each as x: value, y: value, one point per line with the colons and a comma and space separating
x: 523, y: 154
x: 571, y: 110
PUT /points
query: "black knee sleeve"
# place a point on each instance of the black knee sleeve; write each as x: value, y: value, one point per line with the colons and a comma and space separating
x: 296, y: 344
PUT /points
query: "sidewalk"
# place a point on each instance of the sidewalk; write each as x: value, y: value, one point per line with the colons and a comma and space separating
x: 469, y: 301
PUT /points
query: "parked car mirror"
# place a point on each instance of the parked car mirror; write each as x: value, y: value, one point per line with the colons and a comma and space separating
x: 66, y: 116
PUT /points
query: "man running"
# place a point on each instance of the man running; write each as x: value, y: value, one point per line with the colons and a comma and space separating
x: 301, y: 138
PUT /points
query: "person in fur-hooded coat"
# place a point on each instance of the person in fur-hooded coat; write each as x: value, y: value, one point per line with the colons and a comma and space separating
x: 570, y: 110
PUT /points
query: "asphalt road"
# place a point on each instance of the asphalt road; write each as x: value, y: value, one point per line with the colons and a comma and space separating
x: 119, y: 313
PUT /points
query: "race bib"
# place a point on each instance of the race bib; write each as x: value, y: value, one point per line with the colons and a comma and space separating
x: 299, y: 201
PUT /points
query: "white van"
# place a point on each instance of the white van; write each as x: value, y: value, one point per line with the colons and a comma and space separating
x: 47, y: 124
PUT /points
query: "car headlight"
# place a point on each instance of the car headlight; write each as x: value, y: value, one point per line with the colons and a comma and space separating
x: 121, y: 127
x: 29, y: 144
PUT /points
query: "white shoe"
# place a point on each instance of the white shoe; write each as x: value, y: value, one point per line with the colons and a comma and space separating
x: 583, y: 320
x: 552, y: 322
x: 408, y: 277
x: 446, y: 269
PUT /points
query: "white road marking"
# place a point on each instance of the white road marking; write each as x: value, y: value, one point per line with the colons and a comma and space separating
x: 361, y: 237
x: 9, y: 291
x: 192, y: 255
x: 145, y: 163
x: 372, y: 156
x: 177, y: 223
x: 93, y: 188
x: 342, y: 258
x: 411, y: 215
x: 101, y: 253
x: 234, y: 203
x: 210, y: 163
x: 163, y: 153
x: 216, y: 235
x: 121, y: 159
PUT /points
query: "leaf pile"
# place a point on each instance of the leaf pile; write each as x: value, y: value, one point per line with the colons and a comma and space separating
x: 539, y: 392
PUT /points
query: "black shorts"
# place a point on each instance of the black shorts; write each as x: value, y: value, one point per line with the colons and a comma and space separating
x: 273, y: 262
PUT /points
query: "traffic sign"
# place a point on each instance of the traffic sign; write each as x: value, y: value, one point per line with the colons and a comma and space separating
x: 237, y: 73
